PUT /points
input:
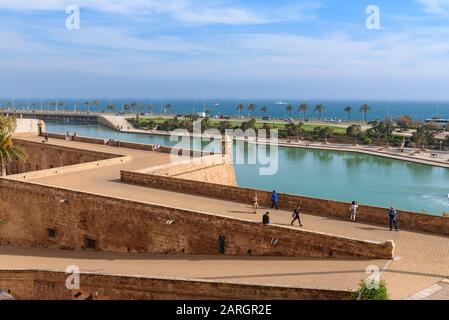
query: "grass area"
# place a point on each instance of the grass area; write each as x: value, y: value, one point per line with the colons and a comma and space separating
x: 238, y: 123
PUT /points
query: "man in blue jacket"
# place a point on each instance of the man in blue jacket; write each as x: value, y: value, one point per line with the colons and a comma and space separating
x: 274, y: 200
x: 392, y: 215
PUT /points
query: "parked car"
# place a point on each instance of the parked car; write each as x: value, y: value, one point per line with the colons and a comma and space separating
x: 266, y: 118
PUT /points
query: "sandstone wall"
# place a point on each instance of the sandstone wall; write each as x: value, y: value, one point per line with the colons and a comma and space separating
x: 45, y: 156
x: 370, y: 214
x: 28, y: 210
x: 32, y: 285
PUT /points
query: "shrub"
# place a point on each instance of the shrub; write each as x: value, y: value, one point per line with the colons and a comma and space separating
x: 367, y: 141
x: 372, y: 290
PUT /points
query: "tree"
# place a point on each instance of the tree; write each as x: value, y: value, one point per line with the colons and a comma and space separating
x: 320, y: 109
x: 348, y: 110
x: 404, y: 122
x: 111, y: 107
x: 9, y: 151
x: 53, y: 104
x: 88, y: 104
x: 126, y: 107
x: 423, y: 137
x: 167, y: 108
x: 240, y: 108
x: 294, y: 130
x: 289, y: 110
x: 264, y: 110
x: 354, y: 131
x: 364, y: 108
x: 252, y: 108
x: 303, y: 107
x: 372, y: 290
x: 61, y: 105
x: 96, y: 103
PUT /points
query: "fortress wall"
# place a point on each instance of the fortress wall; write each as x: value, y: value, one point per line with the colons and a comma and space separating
x: 28, y: 210
x: 42, y: 285
x: 330, y: 208
x: 45, y: 156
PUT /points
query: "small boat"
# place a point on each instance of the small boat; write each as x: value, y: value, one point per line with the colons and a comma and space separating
x: 281, y: 103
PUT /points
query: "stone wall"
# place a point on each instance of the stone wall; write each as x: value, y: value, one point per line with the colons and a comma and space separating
x: 45, y: 156
x: 31, y: 212
x: 33, y: 285
x: 370, y: 214
x: 129, y: 145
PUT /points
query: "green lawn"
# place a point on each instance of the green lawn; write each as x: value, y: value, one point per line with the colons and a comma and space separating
x: 237, y: 123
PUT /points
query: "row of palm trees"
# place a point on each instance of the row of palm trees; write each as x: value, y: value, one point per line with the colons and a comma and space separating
x: 304, y: 107
x: 91, y: 104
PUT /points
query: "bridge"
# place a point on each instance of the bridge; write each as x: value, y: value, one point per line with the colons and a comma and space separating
x: 54, y: 116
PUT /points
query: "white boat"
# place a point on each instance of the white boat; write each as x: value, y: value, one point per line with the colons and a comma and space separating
x: 281, y: 103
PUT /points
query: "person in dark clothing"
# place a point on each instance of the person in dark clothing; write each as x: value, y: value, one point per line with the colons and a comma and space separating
x: 274, y: 200
x: 392, y: 217
x: 296, y: 215
x: 266, y: 218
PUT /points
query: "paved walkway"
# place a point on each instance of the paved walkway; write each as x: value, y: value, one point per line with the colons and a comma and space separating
x: 282, y: 272
x: 422, y: 259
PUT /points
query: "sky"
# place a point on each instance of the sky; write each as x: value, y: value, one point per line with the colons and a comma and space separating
x: 225, y: 49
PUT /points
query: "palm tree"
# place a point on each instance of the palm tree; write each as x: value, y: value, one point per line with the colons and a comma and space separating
x: 61, y: 105
x: 320, y: 109
x: 348, y: 110
x: 168, y: 108
x: 303, y: 108
x: 95, y: 103
x: 364, y: 108
x: 240, y: 108
x: 9, y: 151
x: 126, y: 107
x: 289, y: 110
x: 53, y: 104
x: 252, y: 108
x: 133, y: 106
x: 264, y: 110
x: 111, y: 107
x: 88, y: 104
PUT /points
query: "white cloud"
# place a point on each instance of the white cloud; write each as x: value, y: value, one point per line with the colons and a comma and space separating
x: 196, y: 12
x: 439, y: 7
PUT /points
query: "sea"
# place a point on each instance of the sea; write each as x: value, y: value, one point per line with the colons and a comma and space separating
x: 275, y: 108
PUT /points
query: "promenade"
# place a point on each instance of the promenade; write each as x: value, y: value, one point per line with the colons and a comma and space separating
x: 421, y: 259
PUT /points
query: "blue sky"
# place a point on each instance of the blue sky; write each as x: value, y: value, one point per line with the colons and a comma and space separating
x: 228, y: 49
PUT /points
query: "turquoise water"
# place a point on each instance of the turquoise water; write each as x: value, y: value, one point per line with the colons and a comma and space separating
x: 332, y: 175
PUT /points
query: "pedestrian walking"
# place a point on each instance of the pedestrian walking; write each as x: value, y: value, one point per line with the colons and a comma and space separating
x: 297, y: 215
x: 274, y: 200
x: 255, y: 203
x: 354, y: 207
x: 392, y: 217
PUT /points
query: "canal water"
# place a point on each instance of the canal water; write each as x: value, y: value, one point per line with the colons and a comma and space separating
x: 341, y: 176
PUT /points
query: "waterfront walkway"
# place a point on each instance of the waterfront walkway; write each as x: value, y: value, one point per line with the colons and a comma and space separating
x: 421, y: 259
